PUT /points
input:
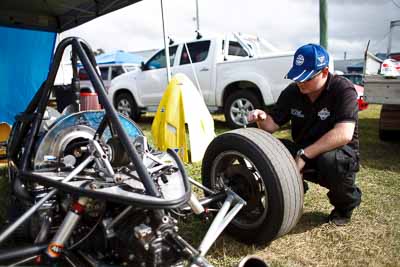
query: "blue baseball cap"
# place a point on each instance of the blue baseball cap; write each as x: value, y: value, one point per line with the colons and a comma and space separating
x: 308, y: 61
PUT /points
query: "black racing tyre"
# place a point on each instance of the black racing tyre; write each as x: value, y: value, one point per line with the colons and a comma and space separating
x: 258, y: 167
x: 126, y: 105
x: 238, y: 105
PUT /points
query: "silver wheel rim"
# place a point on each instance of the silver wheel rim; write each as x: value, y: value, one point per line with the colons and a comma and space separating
x: 228, y: 159
x: 239, y: 110
x: 124, y: 107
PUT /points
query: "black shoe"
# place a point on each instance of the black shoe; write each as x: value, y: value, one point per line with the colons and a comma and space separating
x: 340, y: 218
x: 305, y: 187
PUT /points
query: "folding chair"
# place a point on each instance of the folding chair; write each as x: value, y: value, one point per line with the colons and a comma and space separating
x: 5, y: 130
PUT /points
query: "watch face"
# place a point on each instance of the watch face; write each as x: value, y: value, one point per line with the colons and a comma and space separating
x: 300, y: 152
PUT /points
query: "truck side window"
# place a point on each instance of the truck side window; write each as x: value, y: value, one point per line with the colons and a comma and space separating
x: 235, y: 49
x: 158, y: 60
x: 104, y: 73
x: 198, y: 52
x: 116, y: 71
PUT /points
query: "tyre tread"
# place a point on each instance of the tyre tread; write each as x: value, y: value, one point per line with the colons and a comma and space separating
x: 286, y: 180
x: 290, y: 179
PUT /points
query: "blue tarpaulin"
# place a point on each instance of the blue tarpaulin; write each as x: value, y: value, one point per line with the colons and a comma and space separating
x: 118, y: 57
x: 25, y: 57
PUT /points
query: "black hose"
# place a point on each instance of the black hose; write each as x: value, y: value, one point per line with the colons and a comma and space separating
x: 88, y: 234
x: 19, y: 189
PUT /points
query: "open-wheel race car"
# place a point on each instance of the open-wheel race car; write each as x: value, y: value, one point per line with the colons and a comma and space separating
x: 86, y: 188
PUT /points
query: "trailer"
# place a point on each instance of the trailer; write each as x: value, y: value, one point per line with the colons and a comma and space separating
x: 382, y: 84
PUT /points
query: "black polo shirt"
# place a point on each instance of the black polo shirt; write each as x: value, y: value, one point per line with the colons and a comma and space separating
x: 310, y: 121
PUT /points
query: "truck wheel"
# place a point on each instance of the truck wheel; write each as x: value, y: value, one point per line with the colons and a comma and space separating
x: 126, y: 105
x: 257, y: 167
x: 237, y: 106
x: 389, y: 123
x: 388, y: 136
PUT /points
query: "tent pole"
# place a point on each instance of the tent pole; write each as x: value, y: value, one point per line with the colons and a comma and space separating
x: 166, y: 43
x: 197, y: 16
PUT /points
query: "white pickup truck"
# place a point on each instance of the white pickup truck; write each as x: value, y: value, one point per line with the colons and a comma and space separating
x: 236, y: 74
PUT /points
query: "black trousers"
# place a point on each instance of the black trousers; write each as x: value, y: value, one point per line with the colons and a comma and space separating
x: 336, y: 171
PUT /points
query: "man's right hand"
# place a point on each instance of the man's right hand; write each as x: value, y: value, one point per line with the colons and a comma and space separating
x: 256, y: 115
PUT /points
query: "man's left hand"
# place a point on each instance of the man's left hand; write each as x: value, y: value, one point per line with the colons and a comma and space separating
x: 300, y: 163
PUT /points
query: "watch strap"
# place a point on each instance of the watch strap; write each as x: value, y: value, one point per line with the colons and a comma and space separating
x: 304, y: 157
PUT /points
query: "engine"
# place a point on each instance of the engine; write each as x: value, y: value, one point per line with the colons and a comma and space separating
x: 105, y: 228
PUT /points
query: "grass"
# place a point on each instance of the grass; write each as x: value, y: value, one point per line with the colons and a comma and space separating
x: 373, y: 237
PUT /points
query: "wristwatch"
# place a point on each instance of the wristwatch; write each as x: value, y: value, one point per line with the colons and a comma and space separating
x: 302, y: 155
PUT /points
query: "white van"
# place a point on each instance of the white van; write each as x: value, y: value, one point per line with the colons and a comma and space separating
x: 107, y: 73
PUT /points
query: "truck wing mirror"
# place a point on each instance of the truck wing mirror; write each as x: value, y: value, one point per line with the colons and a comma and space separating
x: 143, y: 66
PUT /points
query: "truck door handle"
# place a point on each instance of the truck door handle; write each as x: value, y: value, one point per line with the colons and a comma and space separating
x: 205, y: 69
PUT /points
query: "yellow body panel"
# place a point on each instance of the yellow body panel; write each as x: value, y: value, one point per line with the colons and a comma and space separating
x: 182, y: 121
x: 168, y: 128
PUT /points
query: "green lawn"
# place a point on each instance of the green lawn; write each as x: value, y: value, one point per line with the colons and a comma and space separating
x: 373, y: 237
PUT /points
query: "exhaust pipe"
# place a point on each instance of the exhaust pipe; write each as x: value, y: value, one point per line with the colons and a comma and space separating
x: 252, y: 261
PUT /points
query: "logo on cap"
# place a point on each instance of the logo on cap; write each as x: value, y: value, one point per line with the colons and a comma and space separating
x: 321, y: 60
x: 299, y: 60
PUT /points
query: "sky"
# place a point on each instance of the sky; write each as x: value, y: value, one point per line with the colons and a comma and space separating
x: 287, y: 24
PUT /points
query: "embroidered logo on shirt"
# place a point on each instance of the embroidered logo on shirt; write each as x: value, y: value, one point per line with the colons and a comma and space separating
x: 324, y: 114
x: 297, y: 113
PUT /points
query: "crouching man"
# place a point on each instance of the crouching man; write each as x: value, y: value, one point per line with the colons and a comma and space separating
x: 323, y: 113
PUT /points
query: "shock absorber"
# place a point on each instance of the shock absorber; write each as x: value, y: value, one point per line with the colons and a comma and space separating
x: 71, y: 220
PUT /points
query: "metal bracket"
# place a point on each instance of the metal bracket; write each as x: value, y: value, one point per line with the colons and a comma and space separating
x: 221, y: 220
